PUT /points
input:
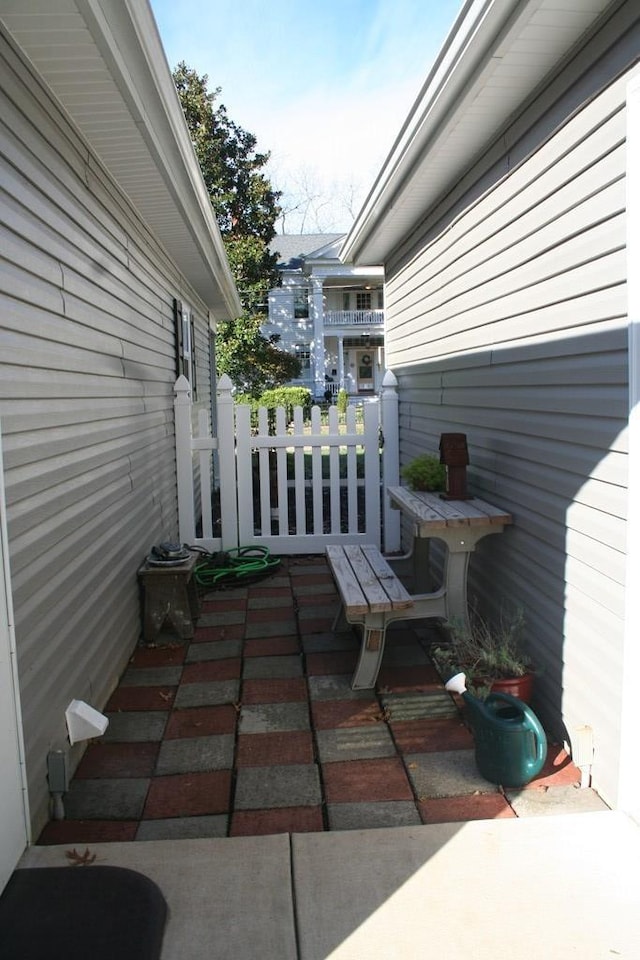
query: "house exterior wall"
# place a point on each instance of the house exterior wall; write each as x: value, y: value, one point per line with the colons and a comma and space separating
x: 87, y: 367
x: 506, y: 320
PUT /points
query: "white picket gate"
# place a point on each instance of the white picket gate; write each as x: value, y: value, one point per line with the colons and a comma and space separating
x: 294, y: 488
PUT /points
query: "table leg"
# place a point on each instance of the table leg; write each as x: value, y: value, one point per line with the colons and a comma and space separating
x: 460, y: 546
x: 455, y: 579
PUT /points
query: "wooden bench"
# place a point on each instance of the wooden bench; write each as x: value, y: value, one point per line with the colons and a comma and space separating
x: 372, y: 596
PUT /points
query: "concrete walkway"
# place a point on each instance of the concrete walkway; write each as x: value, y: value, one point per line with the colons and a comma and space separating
x: 552, y: 887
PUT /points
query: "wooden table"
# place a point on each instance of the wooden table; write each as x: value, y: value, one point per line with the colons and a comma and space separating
x: 460, y: 524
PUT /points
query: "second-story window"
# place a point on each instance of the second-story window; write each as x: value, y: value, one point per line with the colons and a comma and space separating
x: 363, y: 300
x: 301, y: 304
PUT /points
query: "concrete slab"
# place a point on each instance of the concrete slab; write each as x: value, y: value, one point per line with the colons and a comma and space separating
x: 221, y: 618
x: 294, y: 785
x: 417, y: 706
x: 553, y: 887
x: 184, y: 828
x: 274, y: 717
x: 538, y: 802
x: 140, y: 726
x: 336, y: 687
x: 329, y: 642
x: 191, y: 754
x: 105, y: 799
x: 451, y: 773
x: 151, y: 677
x: 210, y: 694
x: 354, y: 743
x: 216, y: 650
x: 319, y: 612
x: 269, y: 603
x: 358, y: 816
x: 228, y: 898
x: 228, y: 593
x: 550, y: 887
x: 270, y: 668
x: 275, y: 628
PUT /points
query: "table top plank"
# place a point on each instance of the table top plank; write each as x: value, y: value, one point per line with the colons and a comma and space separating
x: 430, y: 511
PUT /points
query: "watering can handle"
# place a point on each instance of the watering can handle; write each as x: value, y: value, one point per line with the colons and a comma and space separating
x: 536, y: 763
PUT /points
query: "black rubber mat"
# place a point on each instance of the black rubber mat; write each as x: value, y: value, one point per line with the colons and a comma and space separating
x: 81, y: 913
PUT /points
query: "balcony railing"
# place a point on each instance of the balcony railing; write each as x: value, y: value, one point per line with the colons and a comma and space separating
x: 359, y: 318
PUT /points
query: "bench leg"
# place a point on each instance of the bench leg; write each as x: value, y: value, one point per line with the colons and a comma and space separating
x: 374, y: 631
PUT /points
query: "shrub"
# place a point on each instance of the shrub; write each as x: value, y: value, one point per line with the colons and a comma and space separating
x: 425, y: 473
x: 343, y: 401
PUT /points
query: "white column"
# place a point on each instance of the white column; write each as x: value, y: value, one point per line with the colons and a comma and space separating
x: 316, y: 309
x: 341, y: 362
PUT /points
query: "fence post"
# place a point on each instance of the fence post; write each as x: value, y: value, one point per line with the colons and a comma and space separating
x: 227, y: 464
x: 184, y: 460
x: 390, y: 459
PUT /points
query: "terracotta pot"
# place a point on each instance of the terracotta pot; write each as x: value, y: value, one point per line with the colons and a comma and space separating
x: 520, y: 687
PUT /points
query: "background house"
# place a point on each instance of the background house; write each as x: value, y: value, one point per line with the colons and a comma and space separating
x: 507, y: 219
x: 329, y: 314
x: 113, y: 275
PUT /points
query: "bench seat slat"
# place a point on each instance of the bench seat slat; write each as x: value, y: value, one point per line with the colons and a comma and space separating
x: 399, y: 596
x: 376, y: 595
x: 352, y: 596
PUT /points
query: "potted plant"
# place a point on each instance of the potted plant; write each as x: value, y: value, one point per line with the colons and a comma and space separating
x: 491, y: 654
x: 425, y: 472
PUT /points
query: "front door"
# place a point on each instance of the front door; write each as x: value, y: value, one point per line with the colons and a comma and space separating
x: 364, y: 367
x: 13, y: 821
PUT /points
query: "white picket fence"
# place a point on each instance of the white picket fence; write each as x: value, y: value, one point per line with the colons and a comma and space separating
x: 294, y: 489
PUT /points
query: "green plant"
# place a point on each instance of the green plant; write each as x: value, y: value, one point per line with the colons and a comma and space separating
x: 485, y: 651
x: 343, y: 401
x: 425, y: 473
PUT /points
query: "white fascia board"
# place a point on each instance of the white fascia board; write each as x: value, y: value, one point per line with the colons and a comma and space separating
x: 127, y: 37
x: 347, y: 272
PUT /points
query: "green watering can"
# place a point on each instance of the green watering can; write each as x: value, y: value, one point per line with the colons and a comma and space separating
x: 511, y: 746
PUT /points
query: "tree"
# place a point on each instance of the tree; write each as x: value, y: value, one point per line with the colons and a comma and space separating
x: 254, y: 362
x: 246, y: 208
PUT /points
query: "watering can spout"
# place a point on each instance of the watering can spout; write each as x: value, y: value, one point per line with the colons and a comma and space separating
x: 511, y: 746
x: 457, y: 684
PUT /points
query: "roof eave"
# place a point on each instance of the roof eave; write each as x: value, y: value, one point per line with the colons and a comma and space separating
x: 125, y: 37
x: 409, y: 182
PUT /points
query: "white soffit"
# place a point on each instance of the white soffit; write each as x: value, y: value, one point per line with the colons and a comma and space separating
x: 496, y: 54
x: 104, y: 62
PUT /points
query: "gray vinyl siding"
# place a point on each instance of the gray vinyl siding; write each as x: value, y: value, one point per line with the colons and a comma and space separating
x: 87, y: 367
x: 507, y: 321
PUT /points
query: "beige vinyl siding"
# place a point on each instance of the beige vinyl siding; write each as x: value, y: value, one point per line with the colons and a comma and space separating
x: 507, y: 321
x: 87, y: 367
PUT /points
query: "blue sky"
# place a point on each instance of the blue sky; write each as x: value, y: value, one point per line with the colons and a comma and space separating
x: 325, y: 87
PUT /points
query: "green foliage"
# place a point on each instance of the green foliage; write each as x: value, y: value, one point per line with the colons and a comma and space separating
x: 287, y: 397
x: 245, y: 205
x: 425, y: 473
x: 342, y: 401
x: 485, y: 651
x: 251, y: 360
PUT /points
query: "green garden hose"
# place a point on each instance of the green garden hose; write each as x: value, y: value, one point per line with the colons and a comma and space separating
x: 237, y: 566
